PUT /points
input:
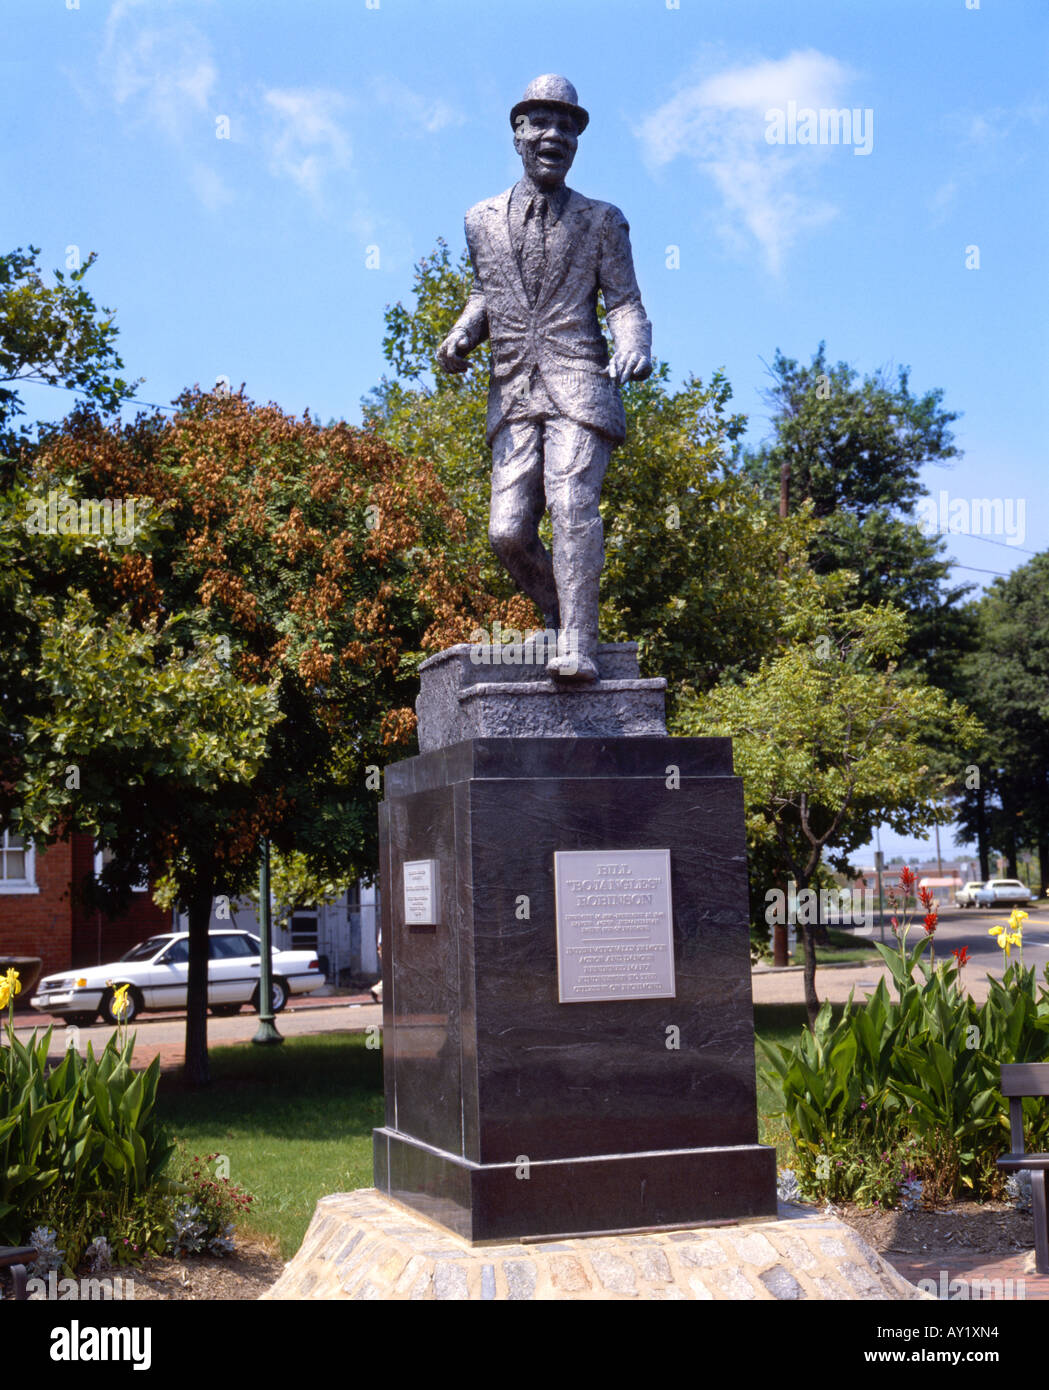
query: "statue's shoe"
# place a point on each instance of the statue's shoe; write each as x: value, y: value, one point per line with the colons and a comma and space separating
x: 572, y: 668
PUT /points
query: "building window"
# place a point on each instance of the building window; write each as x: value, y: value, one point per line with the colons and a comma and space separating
x: 304, y: 930
x: 17, y: 864
x: 102, y: 858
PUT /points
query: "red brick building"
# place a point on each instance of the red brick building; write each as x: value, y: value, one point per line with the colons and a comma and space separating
x: 41, y: 912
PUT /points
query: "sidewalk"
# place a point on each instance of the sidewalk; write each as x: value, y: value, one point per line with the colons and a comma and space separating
x: 975, y: 1276
x: 787, y: 986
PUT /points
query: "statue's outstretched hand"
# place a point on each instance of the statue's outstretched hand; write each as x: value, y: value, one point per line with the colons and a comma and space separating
x: 630, y: 366
x: 452, y: 353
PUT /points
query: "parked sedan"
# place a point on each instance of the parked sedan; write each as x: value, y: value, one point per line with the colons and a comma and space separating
x: 966, y: 896
x: 1003, y: 892
x: 156, y: 971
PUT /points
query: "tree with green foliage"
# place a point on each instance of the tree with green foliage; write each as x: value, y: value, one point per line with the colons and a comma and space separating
x: 246, y: 665
x: 831, y: 739
x: 855, y: 450
x: 55, y: 336
x: 693, y: 560
x: 1004, y: 801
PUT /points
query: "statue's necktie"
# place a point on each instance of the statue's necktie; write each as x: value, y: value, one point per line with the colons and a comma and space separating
x: 533, y: 248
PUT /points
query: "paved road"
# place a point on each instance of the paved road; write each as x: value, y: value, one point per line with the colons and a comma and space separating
x: 165, y: 1034
x: 956, y: 928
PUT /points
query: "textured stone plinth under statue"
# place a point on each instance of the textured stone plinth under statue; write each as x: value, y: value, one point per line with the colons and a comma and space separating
x: 362, y: 1246
x: 479, y: 692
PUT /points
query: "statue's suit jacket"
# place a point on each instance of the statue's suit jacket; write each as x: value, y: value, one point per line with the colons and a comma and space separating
x: 587, y: 250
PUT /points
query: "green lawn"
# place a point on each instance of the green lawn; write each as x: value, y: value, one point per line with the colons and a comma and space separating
x: 295, y: 1121
x: 846, y: 948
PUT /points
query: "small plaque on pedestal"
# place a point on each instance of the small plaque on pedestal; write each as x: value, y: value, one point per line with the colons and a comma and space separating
x: 420, y: 892
x: 615, y: 927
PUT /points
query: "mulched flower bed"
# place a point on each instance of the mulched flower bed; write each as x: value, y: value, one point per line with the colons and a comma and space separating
x: 993, y: 1228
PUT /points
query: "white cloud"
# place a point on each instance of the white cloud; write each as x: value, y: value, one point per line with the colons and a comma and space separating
x: 719, y: 123
x: 164, y: 73
x: 307, y: 141
x: 429, y: 114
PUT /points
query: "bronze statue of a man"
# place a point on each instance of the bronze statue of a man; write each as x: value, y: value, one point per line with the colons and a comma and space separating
x: 541, y: 253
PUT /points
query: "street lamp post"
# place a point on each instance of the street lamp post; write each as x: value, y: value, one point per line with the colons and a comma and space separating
x: 267, y: 1029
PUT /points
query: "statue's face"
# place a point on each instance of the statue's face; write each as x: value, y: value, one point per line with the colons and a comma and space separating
x: 546, y: 140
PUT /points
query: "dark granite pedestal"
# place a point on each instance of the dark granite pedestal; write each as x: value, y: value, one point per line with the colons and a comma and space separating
x: 509, y: 1114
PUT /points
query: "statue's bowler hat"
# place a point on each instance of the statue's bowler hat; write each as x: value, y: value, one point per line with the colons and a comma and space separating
x: 551, y: 90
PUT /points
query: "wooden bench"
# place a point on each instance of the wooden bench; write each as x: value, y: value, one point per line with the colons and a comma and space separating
x: 15, y: 1258
x: 1021, y: 1079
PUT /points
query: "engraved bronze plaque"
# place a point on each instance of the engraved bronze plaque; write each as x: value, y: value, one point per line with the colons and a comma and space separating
x: 615, y: 926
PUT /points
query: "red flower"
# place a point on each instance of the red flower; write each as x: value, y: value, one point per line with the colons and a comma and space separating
x: 906, y: 879
x: 926, y: 899
x: 962, y: 954
x: 931, y: 918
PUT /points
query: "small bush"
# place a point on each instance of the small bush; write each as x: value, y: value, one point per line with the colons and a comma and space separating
x: 205, y: 1217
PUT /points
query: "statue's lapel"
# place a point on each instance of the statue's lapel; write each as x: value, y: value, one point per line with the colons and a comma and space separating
x: 564, y: 235
x: 502, y: 246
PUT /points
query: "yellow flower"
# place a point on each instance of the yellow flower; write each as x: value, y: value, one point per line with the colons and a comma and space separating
x: 1017, y: 919
x: 1006, y: 939
x: 10, y: 985
x: 120, y: 1001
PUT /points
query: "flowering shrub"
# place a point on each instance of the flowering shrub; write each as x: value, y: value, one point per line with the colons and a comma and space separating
x: 899, y: 1101
x: 205, y: 1216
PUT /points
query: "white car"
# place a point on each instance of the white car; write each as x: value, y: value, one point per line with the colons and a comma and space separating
x: 157, y: 972
x: 966, y: 896
x: 1003, y: 892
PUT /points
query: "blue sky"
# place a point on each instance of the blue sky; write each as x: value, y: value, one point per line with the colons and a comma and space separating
x: 357, y: 124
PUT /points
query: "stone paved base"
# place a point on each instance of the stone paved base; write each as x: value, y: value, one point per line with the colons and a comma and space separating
x: 361, y: 1245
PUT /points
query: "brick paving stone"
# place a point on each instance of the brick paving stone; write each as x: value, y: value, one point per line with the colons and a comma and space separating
x: 705, y: 1255
x: 348, y: 1248
x: 781, y: 1284
x: 369, y: 1292
x: 794, y: 1250
x: 860, y: 1279
x: 832, y: 1246
x: 449, y: 1280
x: 734, y: 1283
x: 652, y: 1265
x: 614, y: 1272
x: 754, y: 1250
x: 830, y: 1290
x: 520, y: 1278
x: 567, y: 1273
x: 409, y: 1274
x: 488, y: 1282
